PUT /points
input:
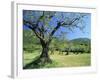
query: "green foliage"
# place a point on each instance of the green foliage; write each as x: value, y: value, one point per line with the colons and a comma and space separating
x: 30, y: 42
x: 83, y: 43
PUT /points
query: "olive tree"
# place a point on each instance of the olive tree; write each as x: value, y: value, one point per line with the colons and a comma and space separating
x: 47, y: 24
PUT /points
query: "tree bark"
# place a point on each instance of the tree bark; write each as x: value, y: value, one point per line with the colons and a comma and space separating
x: 45, y: 50
x: 44, y: 57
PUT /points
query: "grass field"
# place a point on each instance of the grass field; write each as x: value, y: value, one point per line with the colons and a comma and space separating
x: 71, y: 60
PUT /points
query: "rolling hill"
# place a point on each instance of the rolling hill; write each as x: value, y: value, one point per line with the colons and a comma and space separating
x: 80, y: 41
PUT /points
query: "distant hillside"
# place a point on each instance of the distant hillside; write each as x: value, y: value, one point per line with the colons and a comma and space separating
x: 81, y: 41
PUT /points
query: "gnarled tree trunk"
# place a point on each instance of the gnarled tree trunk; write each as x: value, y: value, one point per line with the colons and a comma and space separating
x: 44, y: 57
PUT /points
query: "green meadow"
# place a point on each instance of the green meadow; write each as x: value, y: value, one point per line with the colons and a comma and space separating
x: 71, y: 60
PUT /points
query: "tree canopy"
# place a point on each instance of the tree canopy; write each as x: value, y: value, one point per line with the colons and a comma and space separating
x: 46, y: 24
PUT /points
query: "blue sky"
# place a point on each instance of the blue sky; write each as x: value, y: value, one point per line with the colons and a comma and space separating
x: 86, y: 33
x: 77, y: 33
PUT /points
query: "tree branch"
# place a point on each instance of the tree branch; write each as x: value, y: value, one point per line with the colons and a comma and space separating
x: 29, y: 24
x: 54, y: 30
x: 33, y: 27
x: 75, y: 19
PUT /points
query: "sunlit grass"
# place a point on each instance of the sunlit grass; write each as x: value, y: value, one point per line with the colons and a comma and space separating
x: 61, y: 60
x: 72, y: 60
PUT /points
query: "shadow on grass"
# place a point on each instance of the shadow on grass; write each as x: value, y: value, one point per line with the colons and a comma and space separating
x: 36, y: 63
x: 33, y: 64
